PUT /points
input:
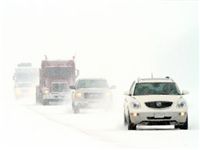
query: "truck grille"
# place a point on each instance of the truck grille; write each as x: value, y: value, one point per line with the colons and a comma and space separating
x: 158, y: 104
x: 93, y: 95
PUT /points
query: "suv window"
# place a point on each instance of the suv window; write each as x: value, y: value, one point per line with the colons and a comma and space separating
x: 160, y: 88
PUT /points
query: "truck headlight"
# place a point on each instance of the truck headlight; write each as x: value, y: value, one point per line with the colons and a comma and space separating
x: 136, y: 104
x: 108, y: 94
x: 18, y: 91
x: 181, y: 104
x: 78, y: 95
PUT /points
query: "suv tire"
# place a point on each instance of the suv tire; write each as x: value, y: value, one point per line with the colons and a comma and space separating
x: 185, y: 125
x: 131, y: 126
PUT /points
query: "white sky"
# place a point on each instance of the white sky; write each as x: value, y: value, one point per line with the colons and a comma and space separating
x: 117, y: 39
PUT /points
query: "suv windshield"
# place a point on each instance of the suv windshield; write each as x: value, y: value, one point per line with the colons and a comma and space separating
x: 92, y: 84
x: 156, y: 89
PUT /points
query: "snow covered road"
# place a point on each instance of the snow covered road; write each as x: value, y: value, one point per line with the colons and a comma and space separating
x: 56, y: 126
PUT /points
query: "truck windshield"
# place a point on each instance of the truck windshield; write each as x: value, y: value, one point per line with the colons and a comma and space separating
x: 59, y: 72
x: 23, y: 84
x: 25, y: 76
x: 92, y: 84
x: 156, y: 89
x: 59, y: 87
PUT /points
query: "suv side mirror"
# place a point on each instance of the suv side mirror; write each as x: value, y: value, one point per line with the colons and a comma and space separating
x: 72, y: 87
x: 113, y: 87
x: 184, y: 92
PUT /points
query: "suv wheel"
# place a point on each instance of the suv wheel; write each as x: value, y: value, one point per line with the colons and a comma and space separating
x: 131, y: 126
x: 76, y: 110
x: 185, y: 125
x: 125, y: 120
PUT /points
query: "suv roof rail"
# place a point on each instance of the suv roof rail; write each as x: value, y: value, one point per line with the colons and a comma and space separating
x: 145, y: 79
x: 168, y: 77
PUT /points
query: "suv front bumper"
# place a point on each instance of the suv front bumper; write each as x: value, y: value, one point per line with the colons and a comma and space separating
x: 85, y: 103
x: 171, y: 118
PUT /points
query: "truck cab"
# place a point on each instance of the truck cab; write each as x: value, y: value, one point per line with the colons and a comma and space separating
x: 25, y: 79
x: 55, y: 78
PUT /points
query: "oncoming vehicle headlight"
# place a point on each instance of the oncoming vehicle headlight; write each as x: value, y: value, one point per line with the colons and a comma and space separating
x: 46, y: 91
x: 17, y: 91
x: 136, y: 104
x: 108, y: 94
x: 78, y: 95
x: 181, y: 104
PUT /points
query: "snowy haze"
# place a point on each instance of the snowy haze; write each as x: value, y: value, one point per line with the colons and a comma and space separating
x: 120, y: 40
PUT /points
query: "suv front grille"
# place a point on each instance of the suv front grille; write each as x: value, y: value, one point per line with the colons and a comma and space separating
x: 153, y: 118
x: 158, y: 104
x: 93, y: 95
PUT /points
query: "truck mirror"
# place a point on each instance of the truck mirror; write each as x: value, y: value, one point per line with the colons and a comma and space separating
x: 113, y: 87
x: 77, y: 73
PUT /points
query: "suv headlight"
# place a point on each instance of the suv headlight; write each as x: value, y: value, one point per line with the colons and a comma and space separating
x: 181, y: 104
x: 78, y: 95
x: 136, y: 104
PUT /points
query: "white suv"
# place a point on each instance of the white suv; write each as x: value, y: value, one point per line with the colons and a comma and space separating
x: 155, y: 101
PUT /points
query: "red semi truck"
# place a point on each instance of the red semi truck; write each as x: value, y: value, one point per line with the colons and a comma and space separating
x: 55, y: 78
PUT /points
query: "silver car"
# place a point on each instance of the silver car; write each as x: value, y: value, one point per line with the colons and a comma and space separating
x: 91, y: 92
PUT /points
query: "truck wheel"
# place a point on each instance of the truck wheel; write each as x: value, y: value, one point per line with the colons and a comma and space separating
x: 131, y: 126
x: 45, y: 102
x: 38, y: 99
x: 37, y: 95
x: 185, y: 125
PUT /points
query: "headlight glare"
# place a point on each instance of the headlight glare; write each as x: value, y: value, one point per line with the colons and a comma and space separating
x: 78, y: 94
x: 17, y: 91
x: 108, y: 94
x: 46, y: 91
